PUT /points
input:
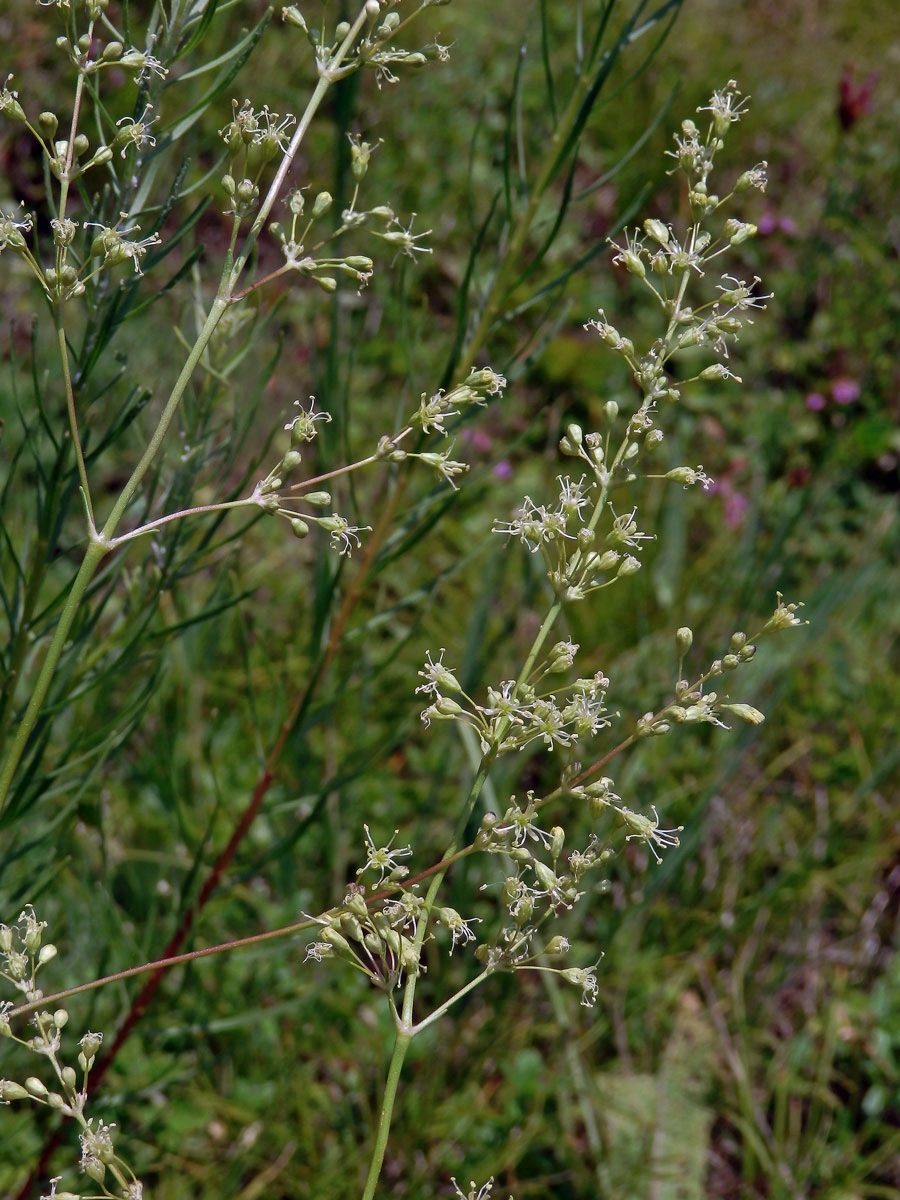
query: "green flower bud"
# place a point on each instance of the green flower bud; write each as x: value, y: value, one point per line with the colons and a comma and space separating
x: 35, y: 1087
x: 744, y: 712
x: 299, y: 527
x: 684, y: 639
x: 10, y: 1090
x: 657, y: 230
x: 557, y: 837
x: 326, y: 283
x: 333, y: 938
x: 322, y: 204
x: 291, y: 461
x: 95, y: 1168
x: 317, y: 499
x: 292, y: 14
x: 629, y: 566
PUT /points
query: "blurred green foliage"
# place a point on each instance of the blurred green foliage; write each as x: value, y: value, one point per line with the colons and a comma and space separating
x: 746, y: 1043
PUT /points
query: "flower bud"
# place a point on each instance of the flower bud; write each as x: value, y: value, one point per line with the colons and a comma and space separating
x: 629, y: 565
x: 292, y: 14
x: 317, y: 499
x: 326, y: 283
x: 557, y: 837
x: 684, y: 639
x: 657, y: 230
x: 633, y: 264
x: 299, y: 527
x: 10, y: 1090
x: 95, y: 1168
x: 335, y: 939
x: 730, y: 662
x: 610, y: 410
x: 744, y: 712
x: 322, y: 204
x: 35, y: 1087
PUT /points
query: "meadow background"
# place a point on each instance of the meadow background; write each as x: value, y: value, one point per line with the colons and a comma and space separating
x: 747, y: 1038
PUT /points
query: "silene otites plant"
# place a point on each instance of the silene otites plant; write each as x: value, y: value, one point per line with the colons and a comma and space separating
x: 100, y: 226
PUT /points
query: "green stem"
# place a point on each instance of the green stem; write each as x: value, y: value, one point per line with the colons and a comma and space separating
x: 401, y: 1046
x: 95, y: 552
x: 73, y: 415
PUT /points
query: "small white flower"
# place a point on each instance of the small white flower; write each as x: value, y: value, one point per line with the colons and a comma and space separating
x: 383, y: 859
x: 586, y: 979
x: 726, y: 105
x: 303, y: 427
x: 404, y: 239
x: 643, y: 829
x: 437, y: 676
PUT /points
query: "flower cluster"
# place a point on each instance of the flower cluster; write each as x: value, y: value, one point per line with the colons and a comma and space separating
x: 373, y: 49
x: 24, y: 952
x: 381, y: 938
x: 515, y: 713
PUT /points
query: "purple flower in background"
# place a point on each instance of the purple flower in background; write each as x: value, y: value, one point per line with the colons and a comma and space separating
x: 767, y: 223
x: 503, y: 469
x: 844, y: 390
x: 815, y: 401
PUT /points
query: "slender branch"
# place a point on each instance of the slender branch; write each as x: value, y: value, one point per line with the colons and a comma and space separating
x: 164, y: 964
x: 73, y: 415
x: 438, y: 1012
x: 248, y: 502
x: 174, y: 960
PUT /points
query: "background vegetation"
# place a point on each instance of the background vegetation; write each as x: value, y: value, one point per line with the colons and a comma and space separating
x: 747, y: 1041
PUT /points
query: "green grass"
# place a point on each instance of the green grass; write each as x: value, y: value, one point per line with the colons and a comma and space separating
x: 746, y: 1043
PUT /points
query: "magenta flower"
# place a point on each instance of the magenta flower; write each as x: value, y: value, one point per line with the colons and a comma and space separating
x: 815, y: 402
x: 844, y: 390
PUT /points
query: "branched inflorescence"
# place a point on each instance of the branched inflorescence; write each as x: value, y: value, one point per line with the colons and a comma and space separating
x: 590, y: 537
